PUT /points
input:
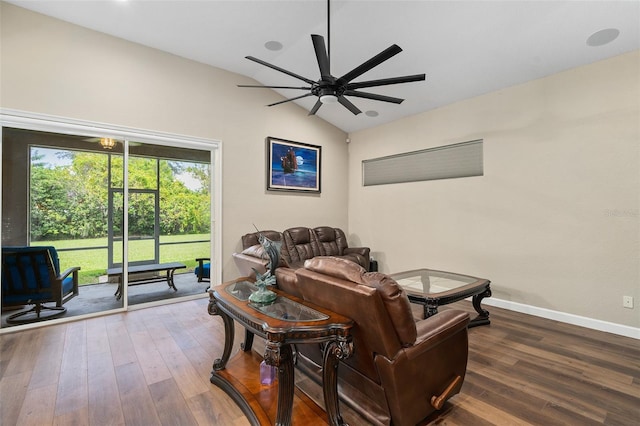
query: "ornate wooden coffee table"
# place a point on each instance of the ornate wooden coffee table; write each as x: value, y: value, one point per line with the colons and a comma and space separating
x: 435, y: 288
x: 286, y: 321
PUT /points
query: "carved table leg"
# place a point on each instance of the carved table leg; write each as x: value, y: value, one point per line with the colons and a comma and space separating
x: 333, y: 353
x: 248, y: 341
x: 483, y: 314
x: 229, y: 331
x: 282, y: 358
x: 430, y: 308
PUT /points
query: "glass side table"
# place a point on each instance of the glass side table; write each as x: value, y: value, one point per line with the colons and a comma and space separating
x: 432, y: 288
x: 286, y: 321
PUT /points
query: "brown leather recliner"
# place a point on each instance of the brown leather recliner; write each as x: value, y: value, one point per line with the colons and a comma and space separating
x: 401, y: 370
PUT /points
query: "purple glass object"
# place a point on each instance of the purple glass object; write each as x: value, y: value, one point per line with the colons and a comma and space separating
x: 267, y: 373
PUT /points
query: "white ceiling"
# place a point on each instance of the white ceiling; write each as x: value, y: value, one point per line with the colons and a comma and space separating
x: 466, y: 48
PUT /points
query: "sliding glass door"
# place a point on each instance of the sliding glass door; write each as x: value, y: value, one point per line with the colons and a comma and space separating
x: 120, y: 208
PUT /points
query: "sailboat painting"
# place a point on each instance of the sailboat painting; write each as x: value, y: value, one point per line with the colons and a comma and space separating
x: 292, y: 166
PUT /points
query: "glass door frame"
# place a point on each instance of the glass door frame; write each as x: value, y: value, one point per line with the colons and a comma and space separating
x: 62, y: 125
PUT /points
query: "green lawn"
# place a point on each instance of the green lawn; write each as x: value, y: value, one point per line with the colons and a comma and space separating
x: 93, y: 262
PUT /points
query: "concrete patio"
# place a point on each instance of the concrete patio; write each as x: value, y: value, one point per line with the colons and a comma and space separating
x: 100, y: 297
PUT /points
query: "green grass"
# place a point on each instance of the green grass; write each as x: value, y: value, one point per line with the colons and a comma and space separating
x: 93, y: 262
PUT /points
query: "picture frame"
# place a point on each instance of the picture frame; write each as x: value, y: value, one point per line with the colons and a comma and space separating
x: 293, y: 166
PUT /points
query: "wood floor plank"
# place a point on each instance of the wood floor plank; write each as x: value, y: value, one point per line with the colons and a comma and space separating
x: 122, y: 349
x: 13, y: 393
x: 103, y: 395
x: 170, y: 404
x: 216, y: 408
x: 77, y: 417
x: 151, y: 361
x: 137, y: 404
x: 26, y: 352
x: 72, y: 392
x: 38, y: 406
x: 7, y: 350
x: 46, y: 370
x: 188, y: 379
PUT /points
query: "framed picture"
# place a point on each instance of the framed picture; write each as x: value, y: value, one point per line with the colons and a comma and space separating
x: 292, y: 166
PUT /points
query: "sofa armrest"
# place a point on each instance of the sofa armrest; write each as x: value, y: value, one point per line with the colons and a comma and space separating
x: 287, y: 281
x: 362, y: 253
x: 246, y: 264
x: 436, y: 329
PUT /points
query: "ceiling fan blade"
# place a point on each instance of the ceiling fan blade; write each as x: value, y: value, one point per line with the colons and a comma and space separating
x: 348, y: 105
x: 273, y: 87
x: 315, y: 108
x: 373, y: 62
x: 290, y: 99
x: 321, y: 56
x: 282, y: 70
x: 373, y: 96
x: 386, y: 81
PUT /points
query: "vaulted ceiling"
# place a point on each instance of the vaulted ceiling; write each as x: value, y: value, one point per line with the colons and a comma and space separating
x: 465, y: 48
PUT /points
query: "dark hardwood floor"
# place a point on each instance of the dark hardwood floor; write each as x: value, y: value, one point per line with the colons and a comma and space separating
x: 151, y: 367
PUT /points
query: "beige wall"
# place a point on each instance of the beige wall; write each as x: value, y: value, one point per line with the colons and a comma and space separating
x: 554, y: 221
x: 52, y: 67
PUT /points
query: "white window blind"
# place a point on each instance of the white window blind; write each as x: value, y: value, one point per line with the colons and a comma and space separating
x: 444, y: 162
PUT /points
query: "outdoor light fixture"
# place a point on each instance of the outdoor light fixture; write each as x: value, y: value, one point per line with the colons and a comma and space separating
x: 107, y: 143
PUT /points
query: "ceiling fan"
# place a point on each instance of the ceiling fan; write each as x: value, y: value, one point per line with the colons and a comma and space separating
x: 330, y: 89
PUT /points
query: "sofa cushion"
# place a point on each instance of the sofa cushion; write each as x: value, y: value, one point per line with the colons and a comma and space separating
x: 331, y: 241
x: 300, y: 244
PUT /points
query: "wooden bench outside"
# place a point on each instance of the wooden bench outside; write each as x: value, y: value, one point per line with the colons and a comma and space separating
x: 169, y: 269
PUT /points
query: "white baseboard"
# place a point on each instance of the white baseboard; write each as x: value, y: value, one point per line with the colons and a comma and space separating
x: 609, y: 327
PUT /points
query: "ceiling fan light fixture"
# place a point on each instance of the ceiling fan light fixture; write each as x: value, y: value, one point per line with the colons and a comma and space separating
x: 107, y: 143
x: 329, y: 99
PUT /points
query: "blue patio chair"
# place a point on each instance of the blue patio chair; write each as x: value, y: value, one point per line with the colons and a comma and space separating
x: 31, y: 276
x: 203, y: 270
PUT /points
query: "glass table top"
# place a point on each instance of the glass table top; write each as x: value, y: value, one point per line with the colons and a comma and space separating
x: 282, y: 308
x: 288, y: 310
x: 241, y: 290
x: 428, y: 281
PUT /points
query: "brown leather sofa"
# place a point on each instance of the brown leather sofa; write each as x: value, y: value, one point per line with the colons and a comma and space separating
x: 298, y: 245
x: 401, y: 370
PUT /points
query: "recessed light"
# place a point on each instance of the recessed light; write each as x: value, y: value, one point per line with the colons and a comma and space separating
x: 273, y: 45
x: 371, y: 113
x: 602, y: 37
